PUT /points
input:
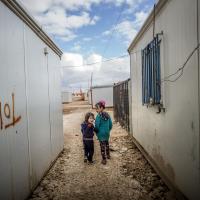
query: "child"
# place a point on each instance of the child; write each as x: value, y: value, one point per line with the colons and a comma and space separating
x: 87, y: 129
x: 103, y: 125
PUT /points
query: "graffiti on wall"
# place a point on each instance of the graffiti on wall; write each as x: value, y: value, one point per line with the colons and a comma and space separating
x: 7, y: 113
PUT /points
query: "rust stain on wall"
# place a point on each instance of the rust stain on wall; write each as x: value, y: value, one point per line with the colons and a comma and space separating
x: 166, y: 168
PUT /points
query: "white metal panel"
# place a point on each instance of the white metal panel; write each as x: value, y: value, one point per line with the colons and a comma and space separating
x: 5, y: 164
x: 14, y: 165
x: 31, y: 88
x: 105, y: 94
x: 57, y: 137
x: 38, y: 106
x: 134, y: 92
x: 130, y: 106
x: 172, y: 138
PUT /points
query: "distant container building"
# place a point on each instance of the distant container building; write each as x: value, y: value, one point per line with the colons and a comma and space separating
x: 86, y: 96
x: 66, y: 97
x: 31, y: 129
x: 104, y: 92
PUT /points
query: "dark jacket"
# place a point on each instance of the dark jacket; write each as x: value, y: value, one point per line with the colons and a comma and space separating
x: 88, y: 132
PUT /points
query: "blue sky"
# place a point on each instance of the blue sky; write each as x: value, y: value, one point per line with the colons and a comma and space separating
x: 100, y: 43
x: 90, y: 31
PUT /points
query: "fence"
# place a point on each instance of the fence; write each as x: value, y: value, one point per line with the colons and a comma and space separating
x: 121, y: 104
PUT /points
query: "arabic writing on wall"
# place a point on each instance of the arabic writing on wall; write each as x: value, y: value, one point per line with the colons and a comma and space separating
x: 7, y: 113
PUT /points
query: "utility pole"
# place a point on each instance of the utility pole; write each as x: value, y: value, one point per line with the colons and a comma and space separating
x: 91, y: 79
x: 88, y: 84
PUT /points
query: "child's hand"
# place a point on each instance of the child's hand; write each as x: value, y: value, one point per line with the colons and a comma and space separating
x: 90, y: 125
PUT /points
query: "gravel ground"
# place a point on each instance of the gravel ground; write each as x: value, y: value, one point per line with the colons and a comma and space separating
x: 126, y: 176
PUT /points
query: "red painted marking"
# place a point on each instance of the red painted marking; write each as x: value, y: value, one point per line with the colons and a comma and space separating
x: 14, y: 119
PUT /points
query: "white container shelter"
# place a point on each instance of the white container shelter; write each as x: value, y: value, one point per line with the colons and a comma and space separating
x: 85, y: 96
x: 31, y: 128
x: 171, y: 139
x: 66, y: 97
x: 104, y: 92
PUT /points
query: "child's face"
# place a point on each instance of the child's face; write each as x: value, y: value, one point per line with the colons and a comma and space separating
x: 98, y: 109
x: 90, y: 120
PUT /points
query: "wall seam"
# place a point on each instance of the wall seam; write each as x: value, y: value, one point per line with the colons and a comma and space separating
x: 198, y: 63
x: 27, y: 115
x: 50, y: 123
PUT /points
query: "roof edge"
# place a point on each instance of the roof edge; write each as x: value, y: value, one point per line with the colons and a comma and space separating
x: 16, y: 8
x: 102, y: 86
x: 147, y: 23
x: 119, y: 83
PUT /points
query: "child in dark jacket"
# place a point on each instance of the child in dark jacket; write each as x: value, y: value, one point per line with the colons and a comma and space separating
x: 87, y: 129
x: 103, y: 126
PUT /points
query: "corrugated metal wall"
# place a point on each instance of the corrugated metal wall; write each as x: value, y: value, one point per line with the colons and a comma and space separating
x: 172, y: 138
x: 27, y: 148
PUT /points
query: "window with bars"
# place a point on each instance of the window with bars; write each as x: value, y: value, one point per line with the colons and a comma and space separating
x: 151, y: 90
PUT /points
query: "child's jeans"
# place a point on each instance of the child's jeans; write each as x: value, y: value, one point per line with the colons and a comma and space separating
x: 105, y: 150
x: 88, y: 149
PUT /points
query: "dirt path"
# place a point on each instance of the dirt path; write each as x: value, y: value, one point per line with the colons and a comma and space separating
x: 126, y: 176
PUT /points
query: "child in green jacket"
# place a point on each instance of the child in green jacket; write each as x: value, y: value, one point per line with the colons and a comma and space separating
x: 103, y: 126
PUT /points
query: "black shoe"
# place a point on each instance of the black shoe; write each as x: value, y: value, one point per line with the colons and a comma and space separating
x: 91, y: 162
x: 103, y: 162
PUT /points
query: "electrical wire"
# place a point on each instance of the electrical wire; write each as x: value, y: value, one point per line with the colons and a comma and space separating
x: 181, y: 69
x: 113, y: 31
x: 94, y: 63
x: 108, y: 43
x: 179, y: 72
x: 103, y: 61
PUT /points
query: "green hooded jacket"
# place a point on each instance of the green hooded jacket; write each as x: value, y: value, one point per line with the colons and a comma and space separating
x: 103, y: 125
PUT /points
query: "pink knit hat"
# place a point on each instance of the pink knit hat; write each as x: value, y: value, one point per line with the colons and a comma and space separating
x: 103, y: 103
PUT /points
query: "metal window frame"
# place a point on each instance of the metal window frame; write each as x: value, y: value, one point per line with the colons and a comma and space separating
x: 151, y: 73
